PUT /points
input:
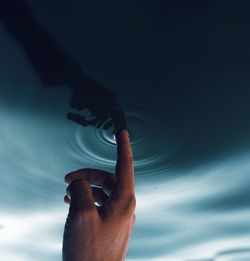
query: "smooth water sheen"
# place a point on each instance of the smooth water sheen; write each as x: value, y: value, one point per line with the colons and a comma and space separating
x: 187, y: 107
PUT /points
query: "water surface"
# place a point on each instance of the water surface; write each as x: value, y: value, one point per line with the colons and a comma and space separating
x: 180, y: 72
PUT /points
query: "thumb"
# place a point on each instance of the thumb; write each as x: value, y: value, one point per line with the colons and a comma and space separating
x: 80, y: 194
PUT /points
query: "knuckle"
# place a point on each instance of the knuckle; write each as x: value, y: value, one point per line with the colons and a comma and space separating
x: 132, y: 202
x: 129, y: 204
x: 75, y: 185
x: 81, y: 183
x: 82, y: 212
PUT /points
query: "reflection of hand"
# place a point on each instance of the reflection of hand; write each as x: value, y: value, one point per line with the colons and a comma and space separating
x: 101, y: 232
x: 101, y: 103
x: 115, y: 117
x: 55, y: 68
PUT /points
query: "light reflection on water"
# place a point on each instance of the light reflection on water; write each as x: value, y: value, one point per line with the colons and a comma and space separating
x: 187, y: 209
x: 182, y: 213
x: 152, y: 156
x: 189, y: 215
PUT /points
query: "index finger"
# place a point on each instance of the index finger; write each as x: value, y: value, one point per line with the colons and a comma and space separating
x: 125, y: 163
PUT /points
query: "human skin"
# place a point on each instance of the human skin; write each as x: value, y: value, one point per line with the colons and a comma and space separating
x: 101, y: 233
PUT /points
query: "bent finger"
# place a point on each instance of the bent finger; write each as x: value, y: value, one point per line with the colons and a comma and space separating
x: 96, y: 177
x: 99, y: 196
x: 77, y: 118
x: 80, y: 194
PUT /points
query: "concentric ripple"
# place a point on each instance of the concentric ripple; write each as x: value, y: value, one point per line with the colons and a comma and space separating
x: 153, y: 154
x: 139, y: 126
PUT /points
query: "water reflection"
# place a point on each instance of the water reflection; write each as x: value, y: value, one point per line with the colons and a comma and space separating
x: 188, y: 209
x: 172, y: 222
x: 57, y: 69
x: 192, y: 215
x: 152, y: 156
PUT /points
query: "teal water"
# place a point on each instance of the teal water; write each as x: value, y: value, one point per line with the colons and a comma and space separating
x: 180, y: 72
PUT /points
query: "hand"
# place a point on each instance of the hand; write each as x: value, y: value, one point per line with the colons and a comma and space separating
x: 101, y: 233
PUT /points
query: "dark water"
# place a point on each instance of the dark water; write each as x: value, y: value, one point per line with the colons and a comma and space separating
x: 180, y: 70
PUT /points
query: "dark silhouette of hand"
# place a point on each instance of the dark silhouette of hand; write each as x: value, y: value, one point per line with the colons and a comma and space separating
x: 101, y: 233
x: 100, y: 102
x: 55, y: 68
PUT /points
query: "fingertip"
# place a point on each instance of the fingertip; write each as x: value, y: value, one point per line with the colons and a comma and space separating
x: 71, y: 176
x: 121, y: 133
x: 74, y: 175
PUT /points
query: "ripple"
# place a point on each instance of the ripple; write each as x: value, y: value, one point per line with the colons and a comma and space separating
x: 139, y: 126
x: 154, y: 155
